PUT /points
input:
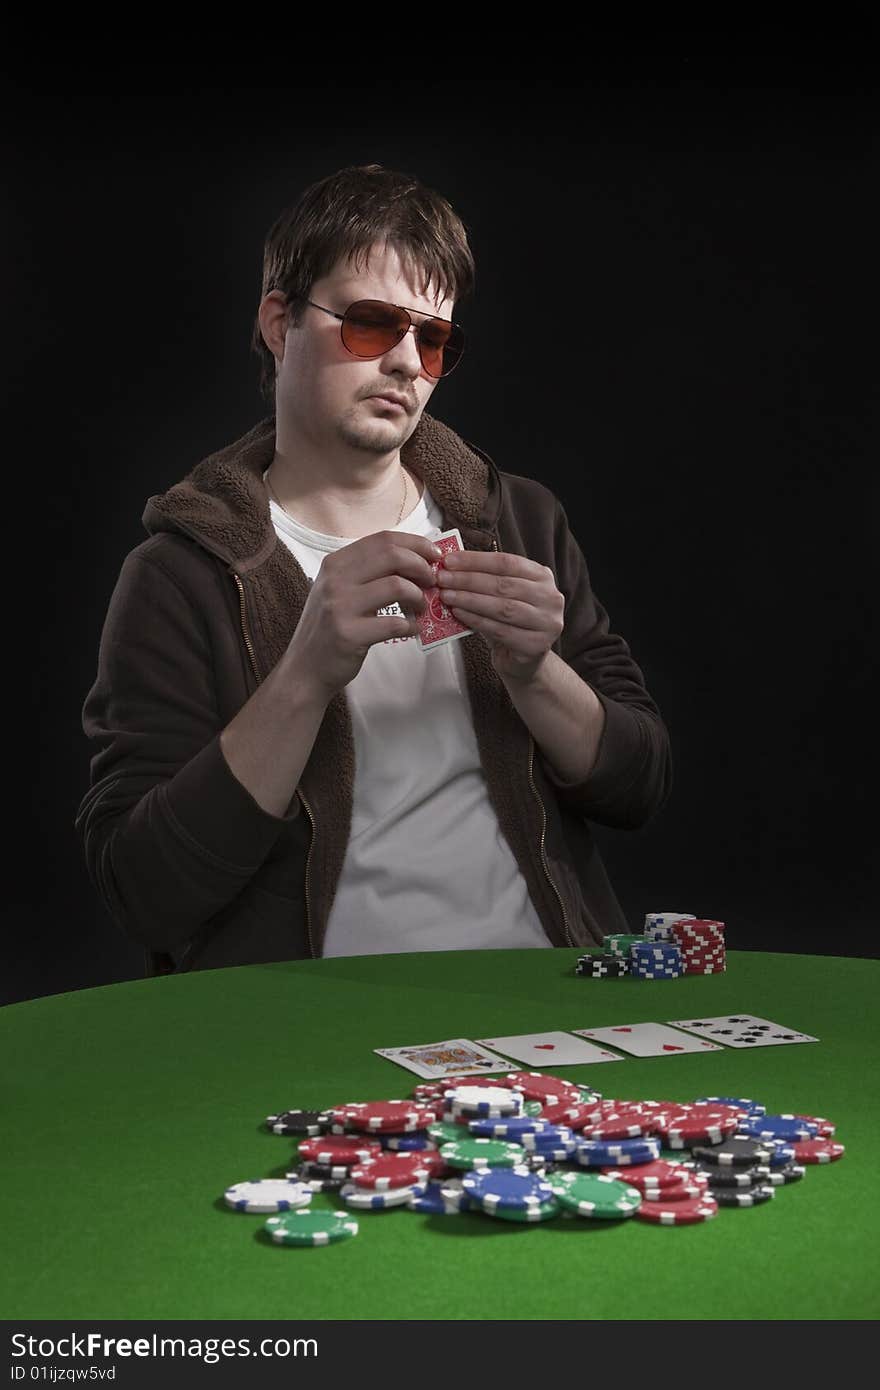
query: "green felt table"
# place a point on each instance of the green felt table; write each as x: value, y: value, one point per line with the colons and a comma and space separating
x: 129, y: 1109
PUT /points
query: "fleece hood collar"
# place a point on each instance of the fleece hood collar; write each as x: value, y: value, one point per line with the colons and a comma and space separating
x: 222, y: 502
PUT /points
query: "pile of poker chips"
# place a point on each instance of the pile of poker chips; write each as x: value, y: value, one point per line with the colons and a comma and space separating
x: 527, y: 1147
x: 673, y: 944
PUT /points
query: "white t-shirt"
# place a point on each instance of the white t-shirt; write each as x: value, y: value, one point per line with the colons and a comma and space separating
x: 427, y: 867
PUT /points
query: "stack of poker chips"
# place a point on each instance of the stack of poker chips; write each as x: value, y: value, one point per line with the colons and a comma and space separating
x: 672, y: 944
x: 526, y: 1147
x: 597, y: 967
x: 700, y: 940
x: 656, y: 960
x: 701, y: 943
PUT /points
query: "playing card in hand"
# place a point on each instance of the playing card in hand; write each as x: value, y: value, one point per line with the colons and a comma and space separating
x: 437, y: 624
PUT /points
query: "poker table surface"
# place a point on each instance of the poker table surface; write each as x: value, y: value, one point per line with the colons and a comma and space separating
x: 130, y: 1108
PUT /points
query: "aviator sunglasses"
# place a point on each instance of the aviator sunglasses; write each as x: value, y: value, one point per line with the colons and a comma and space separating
x: 370, y: 327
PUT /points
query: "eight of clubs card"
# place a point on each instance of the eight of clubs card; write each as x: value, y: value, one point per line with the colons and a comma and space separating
x: 742, y: 1030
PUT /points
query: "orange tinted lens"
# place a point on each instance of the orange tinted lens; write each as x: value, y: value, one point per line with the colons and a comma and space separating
x: 440, y: 343
x: 371, y: 327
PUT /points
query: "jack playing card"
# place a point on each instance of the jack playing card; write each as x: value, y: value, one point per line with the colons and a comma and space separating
x: 456, y: 1057
x: 437, y: 624
x: 743, y: 1030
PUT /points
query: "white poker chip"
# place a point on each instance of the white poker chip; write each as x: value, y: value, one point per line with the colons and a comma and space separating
x: 268, y: 1194
x: 483, y: 1100
x: 367, y: 1199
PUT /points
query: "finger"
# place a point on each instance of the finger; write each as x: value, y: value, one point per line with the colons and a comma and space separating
x: 494, y: 562
x: 497, y: 584
x: 508, y: 615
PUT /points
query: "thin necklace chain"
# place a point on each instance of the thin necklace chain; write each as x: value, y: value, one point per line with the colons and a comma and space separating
x: 287, y: 513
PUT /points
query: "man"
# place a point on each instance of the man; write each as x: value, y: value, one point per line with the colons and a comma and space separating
x: 279, y: 769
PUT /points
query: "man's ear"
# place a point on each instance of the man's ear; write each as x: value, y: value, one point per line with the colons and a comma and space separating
x: 274, y: 314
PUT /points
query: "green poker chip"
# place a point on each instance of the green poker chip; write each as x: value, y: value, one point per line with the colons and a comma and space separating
x: 532, y: 1108
x: 446, y: 1133
x: 620, y: 943
x: 482, y: 1153
x: 588, y: 1096
x: 594, y: 1194
x: 544, y: 1212
x: 311, y: 1227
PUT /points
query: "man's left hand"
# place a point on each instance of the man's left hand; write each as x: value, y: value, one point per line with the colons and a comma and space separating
x: 511, y: 601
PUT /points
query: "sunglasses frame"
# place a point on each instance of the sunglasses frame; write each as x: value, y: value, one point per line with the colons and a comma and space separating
x: 414, y: 327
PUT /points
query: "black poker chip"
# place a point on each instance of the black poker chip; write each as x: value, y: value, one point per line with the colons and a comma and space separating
x: 726, y: 1175
x: 317, y: 1184
x: 738, y: 1151
x: 304, y: 1122
x: 310, y: 1169
x: 788, y: 1172
x: 602, y: 965
x: 742, y: 1196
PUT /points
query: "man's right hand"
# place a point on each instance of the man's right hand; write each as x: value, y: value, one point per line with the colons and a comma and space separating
x: 339, y: 623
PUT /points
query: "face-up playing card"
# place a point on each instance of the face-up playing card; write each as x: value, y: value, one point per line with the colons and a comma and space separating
x: 648, y: 1039
x: 437, y: 624
x: 457, y: 1057
x: 550, y: 1049
x: 743, y: 1030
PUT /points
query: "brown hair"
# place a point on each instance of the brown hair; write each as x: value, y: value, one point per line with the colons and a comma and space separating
x: 342, y: 216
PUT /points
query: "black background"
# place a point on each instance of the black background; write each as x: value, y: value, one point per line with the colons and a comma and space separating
x: 674, y: 328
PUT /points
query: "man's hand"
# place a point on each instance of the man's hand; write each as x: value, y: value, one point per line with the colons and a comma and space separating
x: 511, y: 601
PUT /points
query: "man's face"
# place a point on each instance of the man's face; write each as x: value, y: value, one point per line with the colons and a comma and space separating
x: 326, y: 392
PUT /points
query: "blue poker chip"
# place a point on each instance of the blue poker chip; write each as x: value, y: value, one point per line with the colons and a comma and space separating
x: 442, y: 1197
x: 513, y: 1189
x: 405, y: 1142
x: 780, y: 1153
x: 777, y: 1127
x: 640, y: 974
x: 615, y: 1153
x: 510, y: 1128
x: 752, y: 1106
x: 550, y: 1141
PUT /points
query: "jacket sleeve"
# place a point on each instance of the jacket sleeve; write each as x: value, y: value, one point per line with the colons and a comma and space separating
x: 170, y: 834
x: 632, y: 776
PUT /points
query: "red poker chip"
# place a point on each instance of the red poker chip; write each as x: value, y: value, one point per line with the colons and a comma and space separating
x: 398, y: 1170
x: 653, y: 1180
x: 683, y: 1192
x: 825, y: 1128
x: 711, y: 1112
x: 617, y: 1126
x: 816, y: 1150
x: 685, y: 1213
x: 684, y: 1133
x: 339, y: 1148
x: 536, y: 1085
x: 574, y: 1116
x: 652, y: 1116
x: 435, y: 1090
x: 385, y: 1116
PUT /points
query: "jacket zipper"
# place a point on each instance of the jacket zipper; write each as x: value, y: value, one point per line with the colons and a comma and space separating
x: 257, y: 678
x: 544, y: 827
